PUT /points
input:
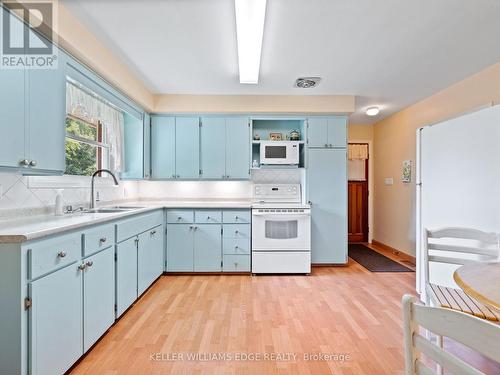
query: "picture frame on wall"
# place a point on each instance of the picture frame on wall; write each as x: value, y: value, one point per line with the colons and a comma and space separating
x: 406, y: 176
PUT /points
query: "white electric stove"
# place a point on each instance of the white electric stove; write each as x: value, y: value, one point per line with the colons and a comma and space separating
x: 281, y: 230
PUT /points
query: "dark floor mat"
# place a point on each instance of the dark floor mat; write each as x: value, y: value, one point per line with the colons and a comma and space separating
x: 374, y: 261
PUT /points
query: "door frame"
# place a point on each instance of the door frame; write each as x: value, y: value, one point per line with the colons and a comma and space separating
x: 370, y: 183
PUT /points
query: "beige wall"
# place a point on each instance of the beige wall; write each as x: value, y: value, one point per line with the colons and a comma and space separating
x: 394, y: 141
x: 359, y: 132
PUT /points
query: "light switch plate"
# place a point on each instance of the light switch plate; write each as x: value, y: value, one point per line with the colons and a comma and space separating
x: 389, y: 181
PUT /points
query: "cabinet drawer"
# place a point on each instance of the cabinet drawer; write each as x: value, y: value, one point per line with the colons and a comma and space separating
x: 208, y: 217
x: 242, y: 231
x: 137, y: 224
x: 180, y: 216
x: 236, y: 246
x: 236, y: 263
x: 49, y: 254
x: 98, y: 238
x: 236, y: 216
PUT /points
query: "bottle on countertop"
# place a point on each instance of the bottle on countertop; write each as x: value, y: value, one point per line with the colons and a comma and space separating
x: 59, y: 211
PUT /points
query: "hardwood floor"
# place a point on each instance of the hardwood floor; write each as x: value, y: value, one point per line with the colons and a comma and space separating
x: 336, y: 310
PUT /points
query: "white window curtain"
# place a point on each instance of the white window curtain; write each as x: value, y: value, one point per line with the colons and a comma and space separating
x: 357, y: 155
x: 91, y: 108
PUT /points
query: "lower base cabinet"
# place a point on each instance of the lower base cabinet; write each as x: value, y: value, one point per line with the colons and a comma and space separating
x: 98, y: 296
x: 180, y: 242
x: 55, y: 321
x: 150, y: 255
x: 126, y: 274
x: 207, y: 248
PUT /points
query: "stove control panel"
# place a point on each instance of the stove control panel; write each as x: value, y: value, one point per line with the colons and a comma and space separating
x: 289, y: 193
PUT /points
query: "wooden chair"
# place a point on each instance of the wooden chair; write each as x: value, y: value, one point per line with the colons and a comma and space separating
x: 477, y: 334
x: 456, y: 246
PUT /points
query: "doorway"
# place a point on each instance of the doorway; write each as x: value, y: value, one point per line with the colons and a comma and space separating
x: 358, y: 163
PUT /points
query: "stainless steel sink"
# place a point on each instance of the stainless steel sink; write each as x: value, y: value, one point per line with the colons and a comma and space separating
x: 110, y: 210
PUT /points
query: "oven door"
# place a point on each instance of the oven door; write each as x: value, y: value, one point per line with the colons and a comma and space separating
x: 281, y: 231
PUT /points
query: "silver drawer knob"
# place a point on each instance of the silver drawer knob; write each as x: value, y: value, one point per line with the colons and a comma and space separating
x: 24, y: 162
x: 179, y: 218
x: 61, y: 254
x: 81, y: 267
x: 236, y: 232
x: 103, y: 239
x: 236, y: 264
x: 33, y: 163
x: 153, y: 232
x: 236, y: 247
x: 89, y: 263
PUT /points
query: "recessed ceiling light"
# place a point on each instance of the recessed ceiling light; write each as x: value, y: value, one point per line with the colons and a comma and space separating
x: 250, y: 16
x: 307, y: 82
x: 372, y: 111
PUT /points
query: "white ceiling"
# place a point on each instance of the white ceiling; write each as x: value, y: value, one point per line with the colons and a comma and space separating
x: 390, y: 53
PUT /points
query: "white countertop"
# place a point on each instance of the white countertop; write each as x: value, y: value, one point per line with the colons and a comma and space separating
x: 27, y: 228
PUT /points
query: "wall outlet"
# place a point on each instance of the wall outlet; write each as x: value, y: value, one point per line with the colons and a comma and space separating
x: 389, y: 181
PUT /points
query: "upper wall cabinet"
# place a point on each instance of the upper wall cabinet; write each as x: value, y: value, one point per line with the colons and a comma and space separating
x: 175, y: 147
x: 32, y: 114
x: 225, y: 148
x: 327, y: 132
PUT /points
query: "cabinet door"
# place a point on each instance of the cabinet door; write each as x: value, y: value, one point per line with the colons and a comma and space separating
x: 237, y: 148
x: 187, y: 147
x: 180, y: 248
x: 317, y: 132
x: 126, y: 274
x: 207, y: 248
x: 147, y: 146
x: 98, y: 296
x: 55, y: 320
x: 47, y: 116
x: 149, y: 258
x: 337, y: 132
x: 213, y: 153
x: 12, y: 102
x: 163, y: 147
x: 327, y: 190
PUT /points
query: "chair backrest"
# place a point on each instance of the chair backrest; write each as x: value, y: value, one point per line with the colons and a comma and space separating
x: 477, y: 334
x: 460, y: 243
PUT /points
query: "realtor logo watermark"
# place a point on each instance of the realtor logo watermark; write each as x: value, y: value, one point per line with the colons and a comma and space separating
x: 28, y: 35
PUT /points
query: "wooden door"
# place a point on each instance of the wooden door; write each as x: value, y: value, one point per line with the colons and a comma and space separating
x: 358, y: 211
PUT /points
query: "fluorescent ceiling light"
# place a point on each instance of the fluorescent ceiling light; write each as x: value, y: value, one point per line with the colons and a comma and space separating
x: 372, y: 111
x: 250, y: 16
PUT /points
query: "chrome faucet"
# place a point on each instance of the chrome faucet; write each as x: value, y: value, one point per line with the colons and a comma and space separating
x: 92, y: 198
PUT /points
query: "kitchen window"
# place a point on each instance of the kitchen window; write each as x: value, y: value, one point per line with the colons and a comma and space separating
x: 86, y: 147
x: 94, y: 132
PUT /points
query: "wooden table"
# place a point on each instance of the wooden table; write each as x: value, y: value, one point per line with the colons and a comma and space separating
x: 480, y: 281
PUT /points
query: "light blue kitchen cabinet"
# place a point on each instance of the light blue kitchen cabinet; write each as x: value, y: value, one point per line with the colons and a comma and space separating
x: 207, y: 248
x: 12, y: 103
x: 180, y: 242
x: 213, y: 148
x: 133, y: 148
x: 150, y: 261
x: 162, y: 147
x: 47, y: 117
x: 147, y: 145
x: 327, y: 132
x: 55, y: 321
x: 237, y: 148
x: 126, y: 274
x: 327, y: 192
x: 187, y: 147
x: 98, y: 295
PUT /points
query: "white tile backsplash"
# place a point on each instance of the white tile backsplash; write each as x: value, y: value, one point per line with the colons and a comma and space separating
x: 17, y: 193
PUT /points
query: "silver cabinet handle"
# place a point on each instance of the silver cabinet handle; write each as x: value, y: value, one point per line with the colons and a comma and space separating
x: 236, y: 247
x: 89, y: 263
x: 178, y: 176
x: 81, y: 267
x: 24, y: 162
x: 236, y: 218
x: 153, y: 232
x: 235, y: 264
x: 33, y: 163
x: 173, y: 176
x: 331, y: 145
x: 102, y: 239
x: 191, y: 227
x: 61, y: 254
x: 179, y: 218
x: 208, y: 218
x: 309, y: 202
x: 236, y: 232
x: 326, y: 144
x: 195, y: 227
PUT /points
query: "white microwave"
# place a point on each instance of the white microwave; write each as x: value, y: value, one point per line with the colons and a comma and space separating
x: 279, y: 153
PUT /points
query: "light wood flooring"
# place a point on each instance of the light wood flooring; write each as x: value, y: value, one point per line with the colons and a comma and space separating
x: 336, y: 310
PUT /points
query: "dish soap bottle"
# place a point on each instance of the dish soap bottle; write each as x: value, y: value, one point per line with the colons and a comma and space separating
x: 59, y: 203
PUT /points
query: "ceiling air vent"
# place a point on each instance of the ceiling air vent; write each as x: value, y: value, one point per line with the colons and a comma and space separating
x: 307, y: 82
